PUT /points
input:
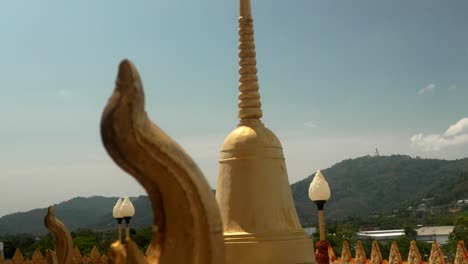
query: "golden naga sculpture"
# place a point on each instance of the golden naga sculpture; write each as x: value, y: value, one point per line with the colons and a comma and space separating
x: 187, y: 226
x: 64, y: 249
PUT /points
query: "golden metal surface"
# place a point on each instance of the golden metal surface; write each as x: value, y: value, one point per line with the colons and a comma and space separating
x: 249, y: 97
x: 64, y: 249
x: 461, y: 256
x: 436, y: 256
x: 394, y: 257
x: 118, y: 253
x: 414, y: 257
x: 187, y: 225
x: 376, y: 255
x: 360, y: 256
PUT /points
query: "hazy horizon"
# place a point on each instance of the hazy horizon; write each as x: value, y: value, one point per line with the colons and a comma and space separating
x: 145, y: 194
x: 337, y: 80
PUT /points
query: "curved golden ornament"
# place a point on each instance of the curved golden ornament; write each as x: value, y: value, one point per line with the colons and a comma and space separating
x: 64, y: 248
x: 187, y: 226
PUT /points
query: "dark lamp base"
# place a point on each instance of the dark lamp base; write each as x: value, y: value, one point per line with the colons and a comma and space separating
x: 321, y: 252
x: 320, y: 204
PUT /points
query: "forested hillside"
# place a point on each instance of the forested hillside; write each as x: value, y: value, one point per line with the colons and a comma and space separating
x: 361, y: 187
x: 93, y: 213
x: 366, y: 186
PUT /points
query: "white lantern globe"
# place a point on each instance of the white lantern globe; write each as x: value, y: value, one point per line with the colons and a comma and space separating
x: 116, y: 211
x: 127, y: 209
x: 319, y: 189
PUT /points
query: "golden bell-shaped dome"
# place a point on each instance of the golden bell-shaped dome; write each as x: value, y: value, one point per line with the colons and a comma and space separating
x: 253, y: 189
x: 250, y: 138
x: 260, y: 221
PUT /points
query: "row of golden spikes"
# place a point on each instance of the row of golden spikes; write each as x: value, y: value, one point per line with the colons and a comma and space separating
x: 414, y: 257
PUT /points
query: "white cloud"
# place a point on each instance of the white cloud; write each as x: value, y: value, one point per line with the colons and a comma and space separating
x: 452, y: 88
x: 428, y: 89
x: 458, y: 128
x: 456, y: 134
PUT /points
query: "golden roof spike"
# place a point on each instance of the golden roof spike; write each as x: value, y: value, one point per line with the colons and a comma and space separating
x: 245, y: 10
x: 249, y: 98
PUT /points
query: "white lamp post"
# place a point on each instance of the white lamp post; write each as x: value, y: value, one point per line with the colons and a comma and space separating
x: 319, y: 192
x: 116, y: 214
x: 127, y: 211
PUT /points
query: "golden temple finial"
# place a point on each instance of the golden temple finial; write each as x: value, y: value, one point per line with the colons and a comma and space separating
x: 244, y: 9
x: 260, y: 224
x: 249, y: 98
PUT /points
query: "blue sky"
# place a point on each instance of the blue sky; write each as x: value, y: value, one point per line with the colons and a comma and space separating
x: 337, y: 80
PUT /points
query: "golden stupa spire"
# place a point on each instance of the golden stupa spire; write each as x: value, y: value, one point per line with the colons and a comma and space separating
x: 249, y: 98
x: 260, y: 222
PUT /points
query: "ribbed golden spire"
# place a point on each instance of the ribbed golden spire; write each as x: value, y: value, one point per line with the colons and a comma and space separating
x: 249, y: 98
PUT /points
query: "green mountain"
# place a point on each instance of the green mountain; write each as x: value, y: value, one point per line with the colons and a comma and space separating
x: 93, y: 213
x: 367, y: 186
x: 360, y: 187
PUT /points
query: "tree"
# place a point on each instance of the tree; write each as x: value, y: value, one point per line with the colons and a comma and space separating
x: 85, y: 244
x: 26, y: 243
x: 410, y: 232
x: 344, y: 231
x: 143, y: 237
x: 85, y: 240
x: 460, y: 232
x: 46, y: 242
